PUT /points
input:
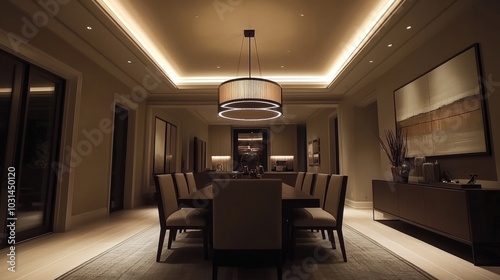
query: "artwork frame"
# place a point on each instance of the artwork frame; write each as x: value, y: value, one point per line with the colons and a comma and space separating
x: 200, y: 155
x: 165, y: 147
x: 160, y: 132
x: 443, y: 111
x: 313, y: 154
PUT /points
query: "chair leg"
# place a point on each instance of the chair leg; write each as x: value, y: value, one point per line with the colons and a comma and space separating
x: 279, y: 267
x: 205, y: 242
x: 171, y: 237
x: 342, y: 246
x: 160, y: 244
x: 292, y: 244
x: 323, y: 234
x: 214, y: 268
x: 174, y: 234
x: 331, y: 238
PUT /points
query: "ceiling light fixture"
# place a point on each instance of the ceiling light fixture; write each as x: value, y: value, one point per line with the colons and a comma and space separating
x: 250, y: 99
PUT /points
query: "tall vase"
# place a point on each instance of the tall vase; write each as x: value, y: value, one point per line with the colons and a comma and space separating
x: 400, y: 174
x: 396, y: 174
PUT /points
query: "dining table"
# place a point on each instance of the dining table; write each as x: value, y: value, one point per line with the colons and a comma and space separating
x: 290, y: 197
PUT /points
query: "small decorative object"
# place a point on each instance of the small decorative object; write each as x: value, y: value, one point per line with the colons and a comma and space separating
x: 437, y: 172
x: 405, y: 172
x: 418, y: 162
x: 472, y: 179
x: 395, y: 150
x: 428, y: 169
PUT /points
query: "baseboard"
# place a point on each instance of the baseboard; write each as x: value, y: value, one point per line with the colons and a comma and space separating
x: 87, y: 217
x: 359, y: 204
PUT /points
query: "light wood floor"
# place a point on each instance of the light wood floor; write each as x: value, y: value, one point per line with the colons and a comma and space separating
x: 50, y: 256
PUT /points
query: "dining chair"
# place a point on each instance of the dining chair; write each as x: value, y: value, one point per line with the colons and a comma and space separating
x: 247, y: 223
x: 330, y: 218
x: 319, y: 191
x: 308, y: 182
x: 299, y: 180
x: 181, y: 184
x: 191, y: 182
x: 172, y: 218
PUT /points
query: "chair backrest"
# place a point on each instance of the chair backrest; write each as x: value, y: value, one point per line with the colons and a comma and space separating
x: 191, y: 182
x: 335, y: 197
x: 247, y: 214
x: 319, y: 190
x: 299, y: 180
x: 308, y: 182
x: 166, y: 197
x: 181, y: 184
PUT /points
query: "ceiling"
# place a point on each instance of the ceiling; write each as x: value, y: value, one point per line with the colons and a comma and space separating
x: 180, y: 51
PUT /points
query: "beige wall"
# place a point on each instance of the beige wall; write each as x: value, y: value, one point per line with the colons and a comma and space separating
x: 95, y: 92
x: 317, y: 127
x: 477, y: 25
x: 83, y: 194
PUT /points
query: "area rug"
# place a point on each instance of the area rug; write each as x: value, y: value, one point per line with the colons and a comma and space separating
x: 135, y: 258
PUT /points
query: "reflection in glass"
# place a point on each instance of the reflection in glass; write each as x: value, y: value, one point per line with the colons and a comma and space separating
x: 36, y: 152
x: 251, y: 150
x: 6, y: 80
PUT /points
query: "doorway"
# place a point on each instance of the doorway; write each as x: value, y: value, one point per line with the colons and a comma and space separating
x: 30, y: 131
x: 250, y: 148
x: 117, y: 188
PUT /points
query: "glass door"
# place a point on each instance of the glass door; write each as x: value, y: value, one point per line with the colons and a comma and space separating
x: 31, y: 145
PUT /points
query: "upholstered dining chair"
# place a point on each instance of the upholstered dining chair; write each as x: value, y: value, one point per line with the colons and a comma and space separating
x: 319, y: 190
x: 247, y: 223
x: 172, y: 218
x: 330, y: 218
x: 299, y: 180
x: 308, y: 182
x: 181, y: 184
x: 191, y: 182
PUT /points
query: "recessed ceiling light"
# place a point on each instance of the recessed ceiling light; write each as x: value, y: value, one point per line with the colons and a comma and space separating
x: 301, y: 15
x: 282, y: 66
x: 390, y: 45
x: 129, y: 61
x: 371, y: 61
x: 218, y: 67
x: 196, y: 16
x: 289, y: 51
x: 89, y: 27
x: 408, y: 27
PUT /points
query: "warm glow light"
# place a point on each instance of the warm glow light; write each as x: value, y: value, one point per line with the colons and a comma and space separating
x: 134, y: 29
x: 250, y: 99
x: 367, y: 29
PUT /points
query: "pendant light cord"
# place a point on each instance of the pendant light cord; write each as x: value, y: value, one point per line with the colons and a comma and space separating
x: 239, y: 59
x: 257, y: 52
x: 249, y: 56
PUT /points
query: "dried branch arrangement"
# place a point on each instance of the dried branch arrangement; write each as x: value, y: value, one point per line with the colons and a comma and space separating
x: 396, y: 147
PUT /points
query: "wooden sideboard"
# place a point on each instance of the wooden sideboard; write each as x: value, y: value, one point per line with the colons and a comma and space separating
x: 471, y: 216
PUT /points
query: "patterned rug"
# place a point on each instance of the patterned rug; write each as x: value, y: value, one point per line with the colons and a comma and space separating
x: 135, y: 258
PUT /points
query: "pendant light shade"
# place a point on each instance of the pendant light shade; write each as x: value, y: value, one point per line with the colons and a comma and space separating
x: 250, y: 99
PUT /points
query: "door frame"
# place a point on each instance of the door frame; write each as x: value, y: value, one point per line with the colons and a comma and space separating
x: 130, y: 186
x: 71, y: 112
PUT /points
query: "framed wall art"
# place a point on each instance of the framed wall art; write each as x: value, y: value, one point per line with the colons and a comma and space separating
x: 442, y: 112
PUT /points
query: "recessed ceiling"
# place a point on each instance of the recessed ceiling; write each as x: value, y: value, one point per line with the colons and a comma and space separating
x: 181, y: 50
x: 297, y: 43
